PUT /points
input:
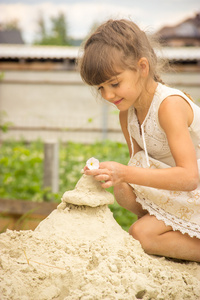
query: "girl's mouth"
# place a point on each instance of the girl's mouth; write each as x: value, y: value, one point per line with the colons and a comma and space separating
x: 118, y: 101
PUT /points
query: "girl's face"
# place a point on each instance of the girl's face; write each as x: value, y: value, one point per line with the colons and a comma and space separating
x: 123, y: 90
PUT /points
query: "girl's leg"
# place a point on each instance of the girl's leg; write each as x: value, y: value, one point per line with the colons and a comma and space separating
x: 158, y: 239
x: 125, y: 196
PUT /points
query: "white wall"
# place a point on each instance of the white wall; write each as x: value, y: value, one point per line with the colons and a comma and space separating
x: 56, y: 105
x: 54, y: 100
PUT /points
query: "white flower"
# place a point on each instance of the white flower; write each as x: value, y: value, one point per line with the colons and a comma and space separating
x: 92, y: 163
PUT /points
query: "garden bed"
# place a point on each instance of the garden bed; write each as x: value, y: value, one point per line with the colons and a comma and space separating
x: 19, y: 214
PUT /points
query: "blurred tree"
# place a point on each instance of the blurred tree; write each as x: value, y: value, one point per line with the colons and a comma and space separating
x: 42, y: 29
x: 57, y: 34
x: 92, y: 29
x: 13, y: 24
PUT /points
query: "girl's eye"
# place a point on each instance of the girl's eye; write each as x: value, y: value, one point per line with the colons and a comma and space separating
x: 99, y: 88
x: 115, y: 84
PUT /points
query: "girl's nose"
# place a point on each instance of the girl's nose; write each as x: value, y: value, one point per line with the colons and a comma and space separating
x: 108, y: 95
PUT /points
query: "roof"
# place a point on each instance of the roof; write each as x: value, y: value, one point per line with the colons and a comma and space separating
x: 37, y: 52
x: 189, y: 28
x: 180, y: 53
x: 62, y: 52
x: 11, y: 36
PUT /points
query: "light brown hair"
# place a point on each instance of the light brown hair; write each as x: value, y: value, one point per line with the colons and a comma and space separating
x: 115, y: 45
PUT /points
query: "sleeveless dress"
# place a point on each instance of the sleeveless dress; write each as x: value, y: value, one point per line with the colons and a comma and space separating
x: 179, y: 209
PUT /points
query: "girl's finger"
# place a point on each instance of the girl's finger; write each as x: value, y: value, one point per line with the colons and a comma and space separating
x: 106, y: 184
x: 103, y: 177
x: 94, y: 172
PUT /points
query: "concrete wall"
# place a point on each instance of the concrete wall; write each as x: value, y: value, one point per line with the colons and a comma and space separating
x: 54, y: 105
x: 57, y: 105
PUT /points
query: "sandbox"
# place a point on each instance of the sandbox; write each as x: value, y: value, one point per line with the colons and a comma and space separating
x: 80, y: 252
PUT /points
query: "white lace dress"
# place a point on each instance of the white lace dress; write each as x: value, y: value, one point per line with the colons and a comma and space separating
x: 179, y: 209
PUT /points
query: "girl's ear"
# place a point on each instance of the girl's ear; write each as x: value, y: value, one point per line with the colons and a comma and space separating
x: 143, y: 66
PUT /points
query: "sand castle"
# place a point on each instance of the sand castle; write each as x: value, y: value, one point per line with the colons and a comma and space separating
x: 80, y: 252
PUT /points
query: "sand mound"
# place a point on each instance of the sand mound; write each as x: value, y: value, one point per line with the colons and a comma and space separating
x: 87, y: 192
x: 80, y: 252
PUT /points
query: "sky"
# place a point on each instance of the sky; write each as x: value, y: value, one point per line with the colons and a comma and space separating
x: 150, y: 15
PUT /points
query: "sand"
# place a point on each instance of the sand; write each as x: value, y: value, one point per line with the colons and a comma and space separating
x: 87, y: 192
x: 80, y: 252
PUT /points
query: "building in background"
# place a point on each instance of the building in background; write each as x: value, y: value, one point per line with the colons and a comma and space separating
x: 10, y: 36
x: 186, y: 33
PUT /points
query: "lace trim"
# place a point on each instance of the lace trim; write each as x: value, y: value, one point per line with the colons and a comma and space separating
x: 183, y: 226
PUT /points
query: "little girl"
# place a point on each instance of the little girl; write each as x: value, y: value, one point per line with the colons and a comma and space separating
x: 161, y: 126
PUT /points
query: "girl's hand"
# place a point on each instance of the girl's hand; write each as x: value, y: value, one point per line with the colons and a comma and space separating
x: 109, y: 173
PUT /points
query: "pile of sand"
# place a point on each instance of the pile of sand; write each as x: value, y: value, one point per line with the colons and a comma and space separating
x: 80, y: 252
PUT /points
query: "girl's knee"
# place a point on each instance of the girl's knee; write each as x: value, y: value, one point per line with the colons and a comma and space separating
x: 136, y: 231
x: 120, y: 192
x: 139, y: 232
x: 125, y: 196
x: 120, y: 189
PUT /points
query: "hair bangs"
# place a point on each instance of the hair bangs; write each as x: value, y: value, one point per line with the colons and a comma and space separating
x: 99, y: 64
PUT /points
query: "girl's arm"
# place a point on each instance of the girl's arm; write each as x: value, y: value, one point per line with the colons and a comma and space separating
x: 175, y: 115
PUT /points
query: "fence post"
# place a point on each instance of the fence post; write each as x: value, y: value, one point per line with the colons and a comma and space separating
x: 51, y: 165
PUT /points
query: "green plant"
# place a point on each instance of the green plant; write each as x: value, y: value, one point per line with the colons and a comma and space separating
x: 4, y: 125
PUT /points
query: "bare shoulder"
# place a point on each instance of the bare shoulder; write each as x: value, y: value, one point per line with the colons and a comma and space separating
x: 175, y: 109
